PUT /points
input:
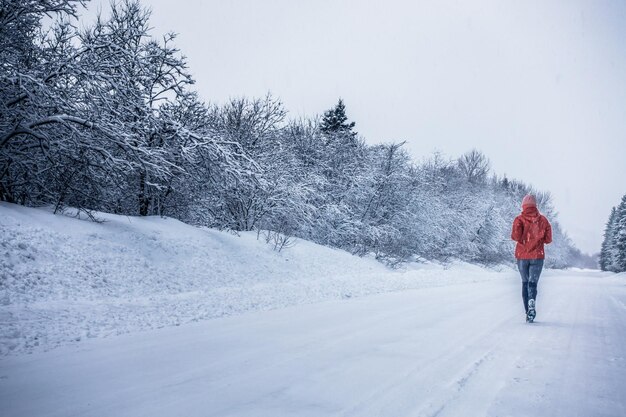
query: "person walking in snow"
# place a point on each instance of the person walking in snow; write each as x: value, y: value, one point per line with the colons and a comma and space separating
x: 531, y: 230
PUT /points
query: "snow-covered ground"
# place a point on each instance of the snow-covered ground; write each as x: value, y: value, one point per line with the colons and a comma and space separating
x: 309, y: 332
x: 458, y: 350
x: 64, y: 280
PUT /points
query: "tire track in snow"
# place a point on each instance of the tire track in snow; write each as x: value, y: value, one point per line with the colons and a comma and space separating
x: 451, y: 395
x: 328, y: 341
x: 391, y: 398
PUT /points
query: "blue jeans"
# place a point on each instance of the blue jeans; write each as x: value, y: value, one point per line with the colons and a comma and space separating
x: 530, y: 270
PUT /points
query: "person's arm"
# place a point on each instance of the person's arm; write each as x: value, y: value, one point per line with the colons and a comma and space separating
x: 547, y: 238
x: 518, y: 229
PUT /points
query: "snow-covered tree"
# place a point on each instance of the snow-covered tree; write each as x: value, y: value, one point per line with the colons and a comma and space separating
x: 146, y: 76
x: 619, y: 237
x: 474, y: 166
x: 607, y: 249
x: 96, y: 118
x: 255, y: 125
x: 382, y: 203
x: 335, y: 121
x: 613, y: 250
x: 41, y: 78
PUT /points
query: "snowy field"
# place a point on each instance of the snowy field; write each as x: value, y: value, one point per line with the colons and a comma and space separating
x: 151, y: 317
x: 458, y: 350
x: 65, y: 280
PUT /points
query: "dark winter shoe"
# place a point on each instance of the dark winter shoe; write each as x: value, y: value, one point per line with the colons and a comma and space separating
x: 530, y: 316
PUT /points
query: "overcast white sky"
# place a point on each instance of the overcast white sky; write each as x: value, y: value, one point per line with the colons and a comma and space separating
x: 538, y: 86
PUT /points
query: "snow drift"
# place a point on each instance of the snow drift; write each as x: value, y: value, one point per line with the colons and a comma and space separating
x: 63, y: 278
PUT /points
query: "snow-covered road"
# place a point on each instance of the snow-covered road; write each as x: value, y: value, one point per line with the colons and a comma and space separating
x: 459, y: 350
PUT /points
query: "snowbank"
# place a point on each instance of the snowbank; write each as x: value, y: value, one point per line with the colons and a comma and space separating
x: 63, y: 279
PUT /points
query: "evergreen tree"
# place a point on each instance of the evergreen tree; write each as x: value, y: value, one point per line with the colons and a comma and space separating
x: 619, y: 237
x: 605, y: 251
x: 613, y: 250
x: 335, y: 121
x: 504, y: 183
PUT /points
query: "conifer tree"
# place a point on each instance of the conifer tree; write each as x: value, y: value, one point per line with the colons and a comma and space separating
x: 335, y: 121
x: 613, y: 250
x: 619, y: 237
x: 606, y: 249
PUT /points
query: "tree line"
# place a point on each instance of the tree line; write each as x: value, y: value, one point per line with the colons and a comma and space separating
x: 613, y: 251
x: 105, y: 118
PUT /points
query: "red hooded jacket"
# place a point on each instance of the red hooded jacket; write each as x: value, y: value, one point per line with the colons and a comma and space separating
x: 531, y: 230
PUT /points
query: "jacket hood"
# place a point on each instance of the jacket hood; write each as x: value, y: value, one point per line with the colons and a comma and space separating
x: 529, y: 200
x: 531, y: 213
